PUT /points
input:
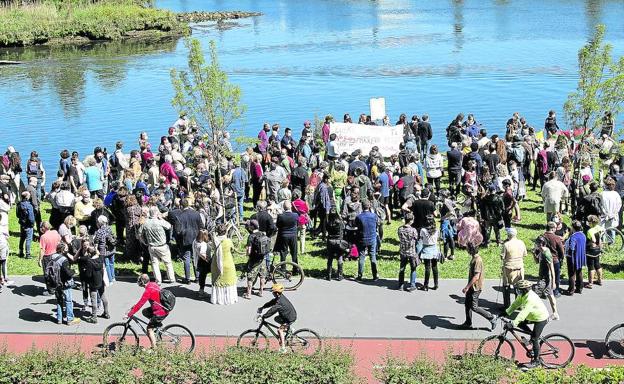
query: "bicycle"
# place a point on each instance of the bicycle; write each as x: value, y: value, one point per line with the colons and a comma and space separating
x: 233, y: 233
x: 612, y: 239
x: 556, y: 350
x: 286, y: 273
x: 303, y: 340
x: 119, y: 336
x: 614, y: 341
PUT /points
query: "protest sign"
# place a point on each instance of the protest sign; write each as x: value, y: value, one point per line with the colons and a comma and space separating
x: 377, y: 108
x: 350, y: 137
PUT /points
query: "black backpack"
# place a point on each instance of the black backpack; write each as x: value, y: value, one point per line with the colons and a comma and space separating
x: 113, y: 161
x: 260, y: 244
x: 167, y: 300
x: 52, y: 273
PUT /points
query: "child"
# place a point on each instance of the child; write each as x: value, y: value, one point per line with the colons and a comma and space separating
x: 4, y: 254
x: 408, y: 236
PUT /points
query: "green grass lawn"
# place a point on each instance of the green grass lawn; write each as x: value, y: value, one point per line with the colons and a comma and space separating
x: 314, y: 260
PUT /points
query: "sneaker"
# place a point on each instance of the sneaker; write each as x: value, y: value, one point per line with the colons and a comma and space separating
x: 91, y: 319
x: 493, y: 323
x: 554, y: 316
x: 531, y: 365
x: 75, y: 321
x: 283, y: 350
x: 105, y: 316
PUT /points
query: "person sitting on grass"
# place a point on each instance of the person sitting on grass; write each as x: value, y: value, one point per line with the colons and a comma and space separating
x: 286, y: 313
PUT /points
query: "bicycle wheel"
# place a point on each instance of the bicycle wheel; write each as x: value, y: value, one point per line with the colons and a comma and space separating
x: 118, y: 337
x: 305, y: 341
x: 289, y: 274
x: 253, y: 338
x: 556, y: 350
x: 613, y: 240
x: 615, y: 342
x: 177, y: 337
x: 237, y: 239
x: 498, y: 347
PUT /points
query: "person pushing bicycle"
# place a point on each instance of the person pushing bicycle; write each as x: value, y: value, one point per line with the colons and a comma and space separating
x: 286, y: 313
x: 156, y: 313
x: 531, y: 311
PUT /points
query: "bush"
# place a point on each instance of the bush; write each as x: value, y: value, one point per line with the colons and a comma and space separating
x: 231, y: 366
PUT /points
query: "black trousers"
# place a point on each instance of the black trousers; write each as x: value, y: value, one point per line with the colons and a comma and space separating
x: 404, y: 262
x: 487, y: 227
x: 256, y: 187
x: 455, y: 182
x: 536, y: 332
x: 334, y: 252
x: 284, y: 244
x: 431, y: 265
x: 322, y: 215
x: 204, y: 268
x: 471, y: 304
x: 575, y: 277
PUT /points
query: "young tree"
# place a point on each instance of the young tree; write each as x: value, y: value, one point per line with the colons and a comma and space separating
x: 208, y: 98
x: 600, y: 86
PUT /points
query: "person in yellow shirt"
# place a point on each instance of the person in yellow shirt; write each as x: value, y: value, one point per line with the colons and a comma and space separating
x: 531, y: 310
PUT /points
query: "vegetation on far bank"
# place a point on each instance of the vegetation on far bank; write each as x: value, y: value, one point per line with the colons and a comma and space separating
x: 50, y: 22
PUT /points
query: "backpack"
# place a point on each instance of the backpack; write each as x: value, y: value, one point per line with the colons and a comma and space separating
x: 52, y: 273
x: 33, y: 168
x: 113, y: 161
x: 167, y: 300
x: 260, y: 244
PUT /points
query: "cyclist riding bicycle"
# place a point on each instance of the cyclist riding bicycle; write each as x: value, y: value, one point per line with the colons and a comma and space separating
x: 531, y: 311
x: 286, y: 313
x: 156, y: 313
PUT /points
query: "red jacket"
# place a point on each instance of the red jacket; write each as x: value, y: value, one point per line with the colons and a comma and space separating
x: 151, y: 293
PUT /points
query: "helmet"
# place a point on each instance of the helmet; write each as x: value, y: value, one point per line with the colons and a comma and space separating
x: 523, y: 284
x: 279, y: 288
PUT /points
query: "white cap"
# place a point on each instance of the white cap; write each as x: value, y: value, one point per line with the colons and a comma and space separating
x: 10, y: 149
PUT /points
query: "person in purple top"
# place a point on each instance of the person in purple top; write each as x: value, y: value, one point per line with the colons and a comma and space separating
x: 576, y: 258
x: 263, y: 136
x: 366, y: 223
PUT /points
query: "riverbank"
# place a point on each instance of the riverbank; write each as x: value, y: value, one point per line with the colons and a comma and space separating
x: 47, y: 24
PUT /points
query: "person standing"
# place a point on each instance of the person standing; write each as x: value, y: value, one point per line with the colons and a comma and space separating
x: 492, y: 208
x: 335, y: 242
x: 408, y: 237
x: 223, y: 270
x: 105, y: 243
x: 472, y: 290
x: 593, y: 250
x: 546, y: 272
x: 512, y: 256
x: 26, y: 218
x: 94, y: 273
x: 576, y: 258
x: 35, y: 200
x: 553, y: 193
x: 366, y: 223
x: 154, y: 236
x: 454, y: 166
x: 611, y: 205
x: 239, y: 180
x: 202, y: 258
x: 286, y: 224
x: 258, y: 244
x: 433, y: 164
x: 64, y: 284
x: 322, y: 203
x: 34, y: 168
x: 557, y: 250
x: 429, y: 252
x: 424, y: 133
x: 48, y: 243
x: 187, y: 225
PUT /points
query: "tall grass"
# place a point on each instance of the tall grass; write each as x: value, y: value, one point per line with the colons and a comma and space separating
x: 109, y: 20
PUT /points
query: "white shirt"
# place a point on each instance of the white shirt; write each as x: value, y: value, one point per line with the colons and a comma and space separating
x: 611, y: 203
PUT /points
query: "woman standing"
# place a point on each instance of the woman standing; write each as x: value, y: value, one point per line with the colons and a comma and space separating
x: 301, y: 207
x: 223, y: 270
x: 105, y: 242
x: 429, y: 254
x: 593, y: 250
x: 433, y: 164
x: 94, y: 275
x: 335, y: 244
x: 201, y: 257
x: 132, y: 220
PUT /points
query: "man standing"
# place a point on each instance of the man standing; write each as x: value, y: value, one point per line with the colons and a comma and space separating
x: 472, y: 290
x: 366, y: 223
x: 454, y: 159
x: 553, y: 192
x: 557, y: 250
x: 424, y: 133
x: 48, y: 242
x: 239, y: 179
x: 263, y: 136
x: 35, y: 200
x: 408, y: 237
x: 491, y: 208
x: 64, y: 282
x: 513, y: 255
x: 155, y: 237
x: 576, y: 258
x: 26, y: 218
x: 187, y: 225
x: 322, y: 203
x: 287, y: 232
x: 266, y: 224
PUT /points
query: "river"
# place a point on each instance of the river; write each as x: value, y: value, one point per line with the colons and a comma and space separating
x: 313, y: 57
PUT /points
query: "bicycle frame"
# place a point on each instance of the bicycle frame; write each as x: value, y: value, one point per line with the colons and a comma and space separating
x: 142, y: 324
x: 271, y: 327
x: 529, y: 350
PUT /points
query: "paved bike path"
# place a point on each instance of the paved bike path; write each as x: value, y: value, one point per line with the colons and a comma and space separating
x: 346, y: 309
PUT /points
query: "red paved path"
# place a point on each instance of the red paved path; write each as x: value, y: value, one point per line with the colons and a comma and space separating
x: 368, y: 352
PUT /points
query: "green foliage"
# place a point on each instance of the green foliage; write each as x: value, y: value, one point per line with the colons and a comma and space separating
x: 600, y: 86
x: 475, y: 369
x: 164, y: 367
x: 205, y: 94
x: 110, y: 20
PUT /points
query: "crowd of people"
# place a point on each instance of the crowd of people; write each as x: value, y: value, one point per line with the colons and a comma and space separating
x: 178, y: 199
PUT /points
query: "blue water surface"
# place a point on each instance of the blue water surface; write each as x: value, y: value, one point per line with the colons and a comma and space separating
x: 314, y: 57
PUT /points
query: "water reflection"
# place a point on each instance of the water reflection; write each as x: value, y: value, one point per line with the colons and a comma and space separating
x: 458, y: 24
x: 67, y: 69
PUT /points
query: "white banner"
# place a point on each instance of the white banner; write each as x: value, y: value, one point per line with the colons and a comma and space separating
x: 378, y: 108
x: 364, y: 137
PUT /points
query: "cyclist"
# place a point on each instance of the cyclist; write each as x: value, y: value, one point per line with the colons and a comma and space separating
x: 286, y: 313
x: 156, y: 313
x: 531, y: 311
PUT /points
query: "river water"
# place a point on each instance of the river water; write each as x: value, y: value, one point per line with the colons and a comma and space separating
x: 313, y: 57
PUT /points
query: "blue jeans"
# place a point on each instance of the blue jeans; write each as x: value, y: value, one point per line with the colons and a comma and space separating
x: 185, y: 255
x: 26, y: 236
x: 64, y: 303
x: 364, y: 248
x: 109, y: 264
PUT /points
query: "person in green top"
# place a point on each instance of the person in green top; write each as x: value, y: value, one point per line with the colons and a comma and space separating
x: 593, y: 250
x: 531, y: 311
x: 338, y: 181
x: 544, y: 258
